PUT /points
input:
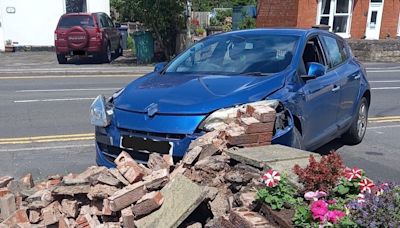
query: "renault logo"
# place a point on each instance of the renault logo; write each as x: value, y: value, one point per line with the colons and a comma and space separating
x: 152, y: 109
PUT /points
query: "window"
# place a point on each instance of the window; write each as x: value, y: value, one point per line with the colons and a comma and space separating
x: 336, y: 51
x: 76, y: 20
x: 312, y: 54
x: 336, y: 14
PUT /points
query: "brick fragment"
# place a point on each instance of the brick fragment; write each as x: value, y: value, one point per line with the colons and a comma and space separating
x: 252, y: 125
x: 123, y: 158
x: 156, y: 162
x: 4, y: 191
x: 118, y: 175
x: 220, y: 222
x: 205, y: 139
x: 7, y: 206
x: 107, y: 178
x: 146, y: 170
x: 92, y: 172
x: 264, y: 114
x: 179, y: 170
x: 52, y: 213
x: 64, y: 222
x: 192, y: 155
x: 69, y: 208
x: 27, y: 180
x: 147, y: 204
x: 157, y: 180
x: 243, y: 217
x: 71, y: 190
x: 34, y: 216
x: 5, y: 180
x: 74, y: 179
x: 234, y: 140
x: 129, y: 168
x: 168, y: 159
x: 128, y: 219
x: 106, y: 207
x: 208, y: 150
x: 23, y: 225
x: 247, y: 199
x: 19, y: 216
x: 126, y: 196
x: 101, y: 191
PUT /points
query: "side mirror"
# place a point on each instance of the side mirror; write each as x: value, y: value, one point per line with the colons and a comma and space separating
x: 159, y: 66
x: 117, y: 25
x: 314, y: 70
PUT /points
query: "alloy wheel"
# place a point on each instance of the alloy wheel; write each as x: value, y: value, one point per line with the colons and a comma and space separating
x: 362, y: 120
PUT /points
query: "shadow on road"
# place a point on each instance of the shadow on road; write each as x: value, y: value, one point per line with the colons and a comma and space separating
x: 331, y: 146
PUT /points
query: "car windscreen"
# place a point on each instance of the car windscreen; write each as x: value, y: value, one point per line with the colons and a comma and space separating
x: 76, y: 20
x: 237, y: 54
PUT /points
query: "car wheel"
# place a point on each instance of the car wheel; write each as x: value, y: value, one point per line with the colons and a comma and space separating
x: 61, y: 59
x: 297, y: 141
x: 107, y: 54
x: 118, y: 52
x: 357, y: 130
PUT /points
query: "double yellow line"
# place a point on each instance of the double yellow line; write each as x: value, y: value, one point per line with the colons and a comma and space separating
x: 385, y: 119
x: 46, y: 139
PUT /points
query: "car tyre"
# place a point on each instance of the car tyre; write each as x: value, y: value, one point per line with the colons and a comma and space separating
x: 107, y: 55
x: 118, y: 51
x: 357, y: 130
x: 297, y: 141
x: 62, y: 59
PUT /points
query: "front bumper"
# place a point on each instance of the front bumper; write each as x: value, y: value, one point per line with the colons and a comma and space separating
x: 178, y: 130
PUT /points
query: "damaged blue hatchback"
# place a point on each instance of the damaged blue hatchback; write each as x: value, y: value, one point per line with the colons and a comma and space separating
x: 319, y: 90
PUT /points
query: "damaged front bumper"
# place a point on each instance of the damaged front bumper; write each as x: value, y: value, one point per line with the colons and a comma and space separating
x: 136, y: 133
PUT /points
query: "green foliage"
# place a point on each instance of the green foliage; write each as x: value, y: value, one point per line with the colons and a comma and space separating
x: 346, y: 188
x: 302, y: 216
x: 131, y: 44
x: 219, y: 19
x: 247, y: 23
x: 208, y: 5
x: 164, y: 17
x: 199, y: 30
x: 277, y: 197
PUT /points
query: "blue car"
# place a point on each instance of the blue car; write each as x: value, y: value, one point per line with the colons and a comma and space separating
x: 310, y: 76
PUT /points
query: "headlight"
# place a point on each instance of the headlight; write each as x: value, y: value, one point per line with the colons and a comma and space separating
x: 220, y: 116
x: 100, y: 114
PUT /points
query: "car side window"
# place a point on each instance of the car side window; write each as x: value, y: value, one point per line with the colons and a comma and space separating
x: 110, y: 23
x: 336, y: 51
x: 312, y: 54
x: 103, y: 21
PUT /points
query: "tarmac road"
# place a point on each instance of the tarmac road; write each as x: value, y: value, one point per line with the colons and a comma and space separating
x: 45, y: 129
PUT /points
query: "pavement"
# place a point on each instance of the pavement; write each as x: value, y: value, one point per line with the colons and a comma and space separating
x: 44, y: 115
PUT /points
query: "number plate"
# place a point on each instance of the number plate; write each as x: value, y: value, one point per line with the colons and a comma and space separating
x: 146, y: 145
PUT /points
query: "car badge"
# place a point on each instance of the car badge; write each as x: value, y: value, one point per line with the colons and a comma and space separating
x: 152, y: 109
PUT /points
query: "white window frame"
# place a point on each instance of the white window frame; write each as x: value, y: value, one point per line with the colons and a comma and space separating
x: 332, y: 14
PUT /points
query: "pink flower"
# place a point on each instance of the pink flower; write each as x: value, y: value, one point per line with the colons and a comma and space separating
x: 271, y: 178
x: 353, y: 173
x: 366, y: 185
x: 314, y: 195
x: 319, y: 209
x: 335, y: 215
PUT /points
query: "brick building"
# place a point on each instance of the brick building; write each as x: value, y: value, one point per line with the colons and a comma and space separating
x: 357, y: 19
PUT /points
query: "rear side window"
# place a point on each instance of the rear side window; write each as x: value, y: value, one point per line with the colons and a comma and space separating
x: 336, y: 50
x: 71, y: 21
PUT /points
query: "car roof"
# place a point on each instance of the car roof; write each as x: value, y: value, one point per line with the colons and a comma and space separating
x: 77, y: 14
x: 278, y: 31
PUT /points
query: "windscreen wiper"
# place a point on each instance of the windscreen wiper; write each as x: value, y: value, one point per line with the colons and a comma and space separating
x: 254, y: 73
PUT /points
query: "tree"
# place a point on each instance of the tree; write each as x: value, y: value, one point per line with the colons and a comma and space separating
x: 164, y: 17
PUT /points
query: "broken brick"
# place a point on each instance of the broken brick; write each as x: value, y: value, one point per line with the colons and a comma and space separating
x: 252, y: 125
x: 52, y: 213
x: 106, y: 178
x: 7, y: 206
x: 118, y: 175
x: 147, y: 204
x: 179, y: 169
x: 264, y: 114
x: 220, y: 222
x: 128, y: 219
x: 69, y: 208
x: 243, y: 217
x: 132, y: 172
x: 247, y: 199
x: 192, y: 155
x: 106, y: 207
x: 5, y: 180
x: 126, y: 196
x: 64, y: 222
x: 208, y: 150
x: 71, y: 190
x: 34, y: 216
x: 156, y: 180
x: 4, y: 191
x: 168, y: 159
x: 101, y: 191
x: 146, y: 170
x: 19, y: 216
x: 220, y: 205
x: 156, y: 162
x: 124, y: 158
x: 27, y: 180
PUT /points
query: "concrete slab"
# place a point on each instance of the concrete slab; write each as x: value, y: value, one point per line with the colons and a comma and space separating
x: 260, y: 156
x: 181, y: 198
x: 277, y: 157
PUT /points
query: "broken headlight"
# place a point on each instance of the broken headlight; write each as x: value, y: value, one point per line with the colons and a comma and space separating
x: 100, y: 112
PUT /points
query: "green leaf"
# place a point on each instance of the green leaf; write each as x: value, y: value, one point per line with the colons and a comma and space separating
x: 343, y: 190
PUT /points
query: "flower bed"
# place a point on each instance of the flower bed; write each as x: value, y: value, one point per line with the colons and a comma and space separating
x: 332, y: 196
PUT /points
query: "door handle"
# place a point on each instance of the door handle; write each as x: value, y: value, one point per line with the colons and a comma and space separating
x: 336, y: 88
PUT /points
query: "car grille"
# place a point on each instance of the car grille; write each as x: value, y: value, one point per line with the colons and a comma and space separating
x: 167, y: 136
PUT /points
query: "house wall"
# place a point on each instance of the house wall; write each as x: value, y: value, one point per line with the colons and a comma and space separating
x: 390, y: 19
x: 359, y: 19
x: 34, y: 22
x: 277, y: 13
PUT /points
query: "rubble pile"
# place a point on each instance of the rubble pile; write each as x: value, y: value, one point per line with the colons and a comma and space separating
x: 205, y: 189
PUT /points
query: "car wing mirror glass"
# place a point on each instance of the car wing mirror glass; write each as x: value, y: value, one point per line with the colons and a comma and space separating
x: 314, y: 70
x: 159, y: 66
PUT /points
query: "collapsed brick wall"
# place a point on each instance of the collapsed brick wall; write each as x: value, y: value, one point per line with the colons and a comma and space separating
x: 129, y: 194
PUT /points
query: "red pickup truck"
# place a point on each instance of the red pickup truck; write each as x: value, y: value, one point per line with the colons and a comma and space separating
x: 87, y: 34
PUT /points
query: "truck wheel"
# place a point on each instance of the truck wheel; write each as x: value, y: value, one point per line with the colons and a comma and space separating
x: 357, y: 130
x: 61, y: 59
x: 107, y: 55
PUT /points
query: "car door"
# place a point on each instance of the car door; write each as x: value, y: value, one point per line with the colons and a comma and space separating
x: 349, y: 75
x: 319, y: 97
x: 114, y: 33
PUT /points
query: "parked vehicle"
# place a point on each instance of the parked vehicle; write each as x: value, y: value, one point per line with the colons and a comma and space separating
x: 88, y: 34
x: 321, y: 89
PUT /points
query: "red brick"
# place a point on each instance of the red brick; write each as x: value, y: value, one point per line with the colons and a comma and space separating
x: 157, y: 162
x: 52, y: 213
x: 128, y: 219
x: 156, y: 180
x: 242, y: 139
x: 192, y: 155
x: 19, y: 216
x: 7, y: 205
x: 147, y: 204
x: 69, y: 208
x: 34, y: 216
x: 128, y: 167
x: 27, y: 180
x: 126, y: 196
x: 264, y: 137
x: 243, y: 217
x: 63, y: 222
x: 101, y: 191
x: 4, y: 191
x: 252, y: 125
x: 123, y: 158
x: 106, y: 207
